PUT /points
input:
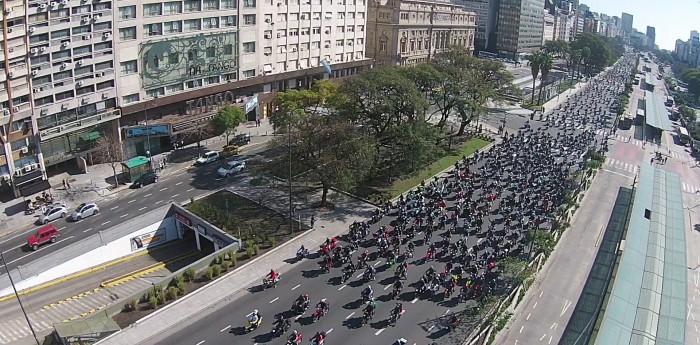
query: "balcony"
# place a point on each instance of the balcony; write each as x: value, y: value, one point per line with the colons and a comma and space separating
x: 71, y: 126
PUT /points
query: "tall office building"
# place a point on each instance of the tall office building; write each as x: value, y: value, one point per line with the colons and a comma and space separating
x: 626, y: 23
x: 409, y: 32
x: 694, y: 36
x: 149, y: 73
x: 486, y: 16
x: 520, y: 27
x: 651, y: 37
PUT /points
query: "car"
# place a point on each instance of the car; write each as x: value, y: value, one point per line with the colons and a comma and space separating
x: 43, y: 235
x: 232, y: 167
x: 207, y: 157
x: 240, y: 140
x: 145, y: 179
x: 85, y: 210
x: 52, y: 213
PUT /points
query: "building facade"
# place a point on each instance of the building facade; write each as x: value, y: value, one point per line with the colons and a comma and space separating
x: 486, y: 16
x: 150, y: 72
x: 548, y: 28
x: 520, y: 27
x: 626, y: 23
x: 651, y: 37
x: 409, y: 32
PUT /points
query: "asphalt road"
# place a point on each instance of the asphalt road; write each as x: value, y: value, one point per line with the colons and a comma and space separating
x: 178, y: 187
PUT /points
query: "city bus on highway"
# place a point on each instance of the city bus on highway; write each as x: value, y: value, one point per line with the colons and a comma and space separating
x: 683, y: 136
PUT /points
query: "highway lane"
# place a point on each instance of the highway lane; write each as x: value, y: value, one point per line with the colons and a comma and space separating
x: 178, y: 187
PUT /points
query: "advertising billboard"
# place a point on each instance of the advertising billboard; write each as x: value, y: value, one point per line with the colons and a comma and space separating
x: 148, y: 239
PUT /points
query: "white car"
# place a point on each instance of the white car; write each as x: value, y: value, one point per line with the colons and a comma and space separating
x: 232, y: 167
x: 52, y: 213
x: 85, y: 210
x: 207, y: 157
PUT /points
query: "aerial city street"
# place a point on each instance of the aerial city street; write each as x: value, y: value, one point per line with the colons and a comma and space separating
x: 349, y: 173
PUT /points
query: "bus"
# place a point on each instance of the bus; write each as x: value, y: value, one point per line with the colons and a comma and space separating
x: 683, y: 136
x: 487, y: 55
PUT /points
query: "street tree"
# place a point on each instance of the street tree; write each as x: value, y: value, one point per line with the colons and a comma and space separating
x: 541, y: 241
x: 227, y: 120
x: 573, y: 57
x: 546, y: 65
x: 323, y: 97
x: 557, y: 48
x: 597, y: 52
x: 535, y: 62
x: 436, y: 86
x: 332, y: 150
x: 108, y: 149
x: 691, y: 77
x: 199, y: 130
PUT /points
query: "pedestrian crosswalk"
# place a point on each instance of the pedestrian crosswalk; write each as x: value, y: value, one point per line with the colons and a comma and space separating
x: 688, y: 188
x: 628, y: 167
x: 73, y: 308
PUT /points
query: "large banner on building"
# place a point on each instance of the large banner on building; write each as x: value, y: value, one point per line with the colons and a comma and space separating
x: 149, y: 239
x: 178, y: 59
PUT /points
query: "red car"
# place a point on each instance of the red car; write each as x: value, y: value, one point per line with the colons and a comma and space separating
x: 43, y: 235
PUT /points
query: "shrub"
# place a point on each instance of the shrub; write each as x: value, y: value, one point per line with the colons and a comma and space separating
x: 250, y: 252
x: 189, y: 274
x: 153, y: 302
x: 146, y: 296
x: 220, y: 258
x: 249, y: 243
x: 230, y: 254
x: 225, y: 265
x: 130, y: 305
x: 216, y: 270
x: 182, y: 289
x: 256, y: 249
x: 172, y: 293
x: 272, y: 241
x: 234, y: 260
x: 209, y: 273
x: 176, y: 280
x: 161, y: 298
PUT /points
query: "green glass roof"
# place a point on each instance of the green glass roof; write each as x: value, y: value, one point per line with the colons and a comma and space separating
x: 136, y: 161
x: 656, y: 112
x: 649, y: 79
x: 647, y: 303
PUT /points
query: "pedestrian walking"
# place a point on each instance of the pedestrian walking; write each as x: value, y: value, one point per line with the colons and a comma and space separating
x: 313, y: 220
x: 65, y: 186
x: 68, y: 184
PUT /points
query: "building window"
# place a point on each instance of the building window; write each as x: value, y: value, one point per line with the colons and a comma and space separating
x: 83, y: 70
x: 39, y: 38
x: 150, y: 10
x: 60, y: 34
x: 249, y: 47
x: 211, y: 5
x: 41, y: 80
x: 229, y: 21
x: 126, y: 34
x: 127, y: 12
x: 64, y: 95
x: 249, y: 19
x: 152, y: 30
x: 404, y: 16
x: 128, y: 67
x: 382, y: 46
x: 172, y: 27
x: 81, y: 9
x: 228, y: 49
x: 103, y: 65
x: 174, y: 88
x: 173, y: 58
x: 341, y: 15
x: 194, y: 83
x: 102, y: 6
x: 61, y: 54
x: 193, y: 6
x: 82, y: 50
x: 338, y: 43
x: 62, y: 75
x: 85, y: 90
x: 229, y: 4
x: 43, y: 101
x: 193, y: 25
x: 105, y: 85
x: 249, y: 73
x: 130, y: 98
x: 102, y: 26
x: 155, y: 92
x: 210, y: 23
x: 249, y: 3
x: 82, y: 29
x: 174, y: 7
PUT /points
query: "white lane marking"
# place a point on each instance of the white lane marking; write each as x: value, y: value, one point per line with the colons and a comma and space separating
x: 38, y: 250
x: 159, y: 201
x: 521, y: 328
x: 528, y: 317
x: 175, y: 196
x: 296, y: 287
x: 554, y: 326
x: 330, y: 330
x: 143, y: 208
x: 386, y: 287
x: 414, y: 301
x: 534, y: 306
x: 567, y: 304
x: 61, y: 228
x: 225, y: 328
x: 130, y: 201
x: 114, y: 208
x: 86, y: 230
x: 298, y: 317
x: 124, y: 215
x: 377, y: 263
x: 274, y: 300
x: 107, y: 222
x: 342, y: 287
x: 446, y: 311
x: 164, y: 189
x: 179, y: 183
x: 191, y: 189
x: 431, y: 327
x: 550, y: 340
x: 349, y: 316
x: 542, y: 337
x: 147, y: 195
x: 541, y: 292
x: 379, y: 332
x: 201, y: 342
x: 359, y: 275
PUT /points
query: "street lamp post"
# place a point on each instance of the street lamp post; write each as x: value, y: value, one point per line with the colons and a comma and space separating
x: 289, y: 179
x: 31, y: 328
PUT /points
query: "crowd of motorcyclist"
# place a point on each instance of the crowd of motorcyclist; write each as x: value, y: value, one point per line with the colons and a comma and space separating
x: 473, y: 217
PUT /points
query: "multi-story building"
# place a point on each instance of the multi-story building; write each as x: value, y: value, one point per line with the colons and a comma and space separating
x: 486, y: 16
x: 548, y: 28
x: 520, y: 27
x: 651, y: 37
x: 562, y: 25
x: 626, y: 23
x: 59, y: 92
x: 408, y: 32
x: 689, y: 51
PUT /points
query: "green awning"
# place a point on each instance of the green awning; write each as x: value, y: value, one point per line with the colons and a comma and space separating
x: 136, y: 162
x: 91, y: 136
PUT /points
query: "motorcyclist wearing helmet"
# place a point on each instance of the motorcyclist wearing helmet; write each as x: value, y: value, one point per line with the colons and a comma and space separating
x: 370, y: 271
x: 398, y: 308
x: 368, y: 293
x: 295, y: 337
x: 254, y: 317
x: 273, y: 276
x: 323, y: 305
x: 398, y: 286
x: 302, y: 301
x: 370, y: 308
x: 319, y: 337
x: 280, y: 322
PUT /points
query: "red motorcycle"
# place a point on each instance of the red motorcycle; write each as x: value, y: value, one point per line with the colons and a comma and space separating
x: 294, y: 340
x: 319, y: 313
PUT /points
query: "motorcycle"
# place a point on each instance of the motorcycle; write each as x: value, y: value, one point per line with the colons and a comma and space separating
x: 278, y: 331
x: 319, y: 313
x: 299, y: 308
x: 346, y: 275
x: 269, y: 283
x: 395, y: 293
x: 394, y: 317
x: 367, y: 315
x: 252, y: 326
x: 302, y: 253
x: 368, y: 275
x: 366, y: 297
x: 295, y: 341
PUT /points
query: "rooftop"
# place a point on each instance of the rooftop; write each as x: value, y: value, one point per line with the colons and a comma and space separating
x: 656, y: 112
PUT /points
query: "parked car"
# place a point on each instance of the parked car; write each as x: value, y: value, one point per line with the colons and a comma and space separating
x: 43, y: 235
x: 145, y: 179
x: 207, y: 157
x: 232, y: 167
x: 52, y: 213
x: 85, y: 210
x: 240, y: 140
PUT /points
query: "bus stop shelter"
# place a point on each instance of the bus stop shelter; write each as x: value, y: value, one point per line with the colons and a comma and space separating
x: 656, y: 113
x: 85, y: 331
x: 133, y: 168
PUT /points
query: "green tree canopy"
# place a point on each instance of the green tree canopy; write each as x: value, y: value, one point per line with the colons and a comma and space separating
x: 691, y: 77
x: 227, y: 120
x: 322, y: 98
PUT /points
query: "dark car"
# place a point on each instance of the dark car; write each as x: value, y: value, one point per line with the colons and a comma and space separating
x: 145, y: 179
x: 240, y: 140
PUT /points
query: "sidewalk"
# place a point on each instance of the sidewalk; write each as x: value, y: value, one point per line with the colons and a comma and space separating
x: 97, y: 183
x: 234, y: 284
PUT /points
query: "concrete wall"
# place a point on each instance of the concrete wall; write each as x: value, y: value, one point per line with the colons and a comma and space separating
x: 95, y: 250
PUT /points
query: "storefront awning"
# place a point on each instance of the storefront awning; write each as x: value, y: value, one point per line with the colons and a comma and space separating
x: 34, y: 187
x: 91, y: 136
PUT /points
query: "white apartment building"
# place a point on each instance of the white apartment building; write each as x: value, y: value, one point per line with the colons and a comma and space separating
x: 549, y: 28
x: 58, y: 86
x: 180, y: 60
